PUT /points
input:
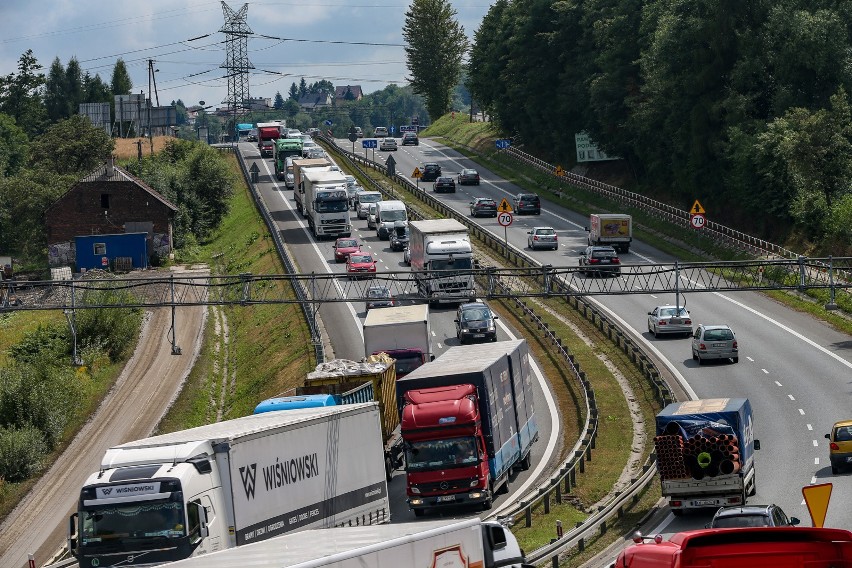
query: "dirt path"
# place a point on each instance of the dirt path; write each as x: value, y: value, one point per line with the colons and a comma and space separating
x: 142, y: 394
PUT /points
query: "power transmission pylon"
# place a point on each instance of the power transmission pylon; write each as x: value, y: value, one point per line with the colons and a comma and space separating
x: 237, y: 64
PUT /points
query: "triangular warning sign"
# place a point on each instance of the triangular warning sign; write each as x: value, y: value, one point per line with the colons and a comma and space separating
x: 817, y: 497
x: 697, y: 209
x: 417, y: 173
x: 504, y: 206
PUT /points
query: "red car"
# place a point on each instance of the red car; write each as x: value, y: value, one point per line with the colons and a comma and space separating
x: 360, y: 264
x: 344, y: 247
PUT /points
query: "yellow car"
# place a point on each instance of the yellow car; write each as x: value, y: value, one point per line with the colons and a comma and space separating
x: 840, y: 445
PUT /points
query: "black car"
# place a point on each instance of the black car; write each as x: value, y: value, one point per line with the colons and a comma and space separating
x: 430, y: 172
x: 483, y: 206
x: 475, y: 321
x: 527, y: 203
x: 410, y: 138
x: 600, y: 261
x: 444, y: 185
x: 468, y: 176
x: 400, y: 236
x: 751, y: 516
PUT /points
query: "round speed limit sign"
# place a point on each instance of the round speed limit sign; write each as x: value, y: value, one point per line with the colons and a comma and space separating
x: 505, y: 219
x: 697, y: 221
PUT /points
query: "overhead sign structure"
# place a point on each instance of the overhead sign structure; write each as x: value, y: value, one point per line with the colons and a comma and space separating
x: 417, y: 174
x: 502, y: 143
x: 504, y: 206
x: 817, y: 498
x: 697, y: 221
x: 697, y: 209
x: 505, y: 219
x: 369, y: 144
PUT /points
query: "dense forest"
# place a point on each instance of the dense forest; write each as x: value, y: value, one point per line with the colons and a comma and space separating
x: 745, y: 105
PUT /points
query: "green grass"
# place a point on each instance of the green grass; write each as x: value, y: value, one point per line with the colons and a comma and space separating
x: 15, y: 325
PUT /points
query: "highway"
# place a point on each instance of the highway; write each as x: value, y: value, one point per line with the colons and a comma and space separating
x: 795, y: 370
x: 342, y: 322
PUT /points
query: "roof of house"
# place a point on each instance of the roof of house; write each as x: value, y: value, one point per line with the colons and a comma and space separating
x: 340, y: 92
x: 103, y: 174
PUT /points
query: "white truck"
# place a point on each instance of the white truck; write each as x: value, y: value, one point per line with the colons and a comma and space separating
x: 613, y: 229
x: 387, y: 214
x: 225, y: 485
x: 325, y: 202
x: 300, y: 164
x: 469, y: 543
x: 403, y: 332
x: 441, y: 259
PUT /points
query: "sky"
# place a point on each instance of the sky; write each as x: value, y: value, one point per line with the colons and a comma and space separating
x: 184, y: 41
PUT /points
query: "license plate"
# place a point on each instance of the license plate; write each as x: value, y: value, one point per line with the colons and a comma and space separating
x: 719, y: 344
x: 446, y: 498
x: 702, y: 502
x: 604, y: 262
x: 676, y: 321
x: 478, y: 335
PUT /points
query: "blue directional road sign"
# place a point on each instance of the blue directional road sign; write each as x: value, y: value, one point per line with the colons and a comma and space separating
x: 369, y: 144
x: 392, y: 128
x: 328, y: 123
x: 502, y: 144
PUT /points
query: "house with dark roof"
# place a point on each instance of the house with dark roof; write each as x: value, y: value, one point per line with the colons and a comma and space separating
x: 109, y: 201
x: 313, y: 101
x: 348, y: 93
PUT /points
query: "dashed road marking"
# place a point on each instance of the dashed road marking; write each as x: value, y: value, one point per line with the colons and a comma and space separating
x: 791, y: 397
x: 816, y: 444
x: 765, y: 372
x: 802, y: 412
x: 779, y: 384
x: 816, y: 461
x: 811, y: 428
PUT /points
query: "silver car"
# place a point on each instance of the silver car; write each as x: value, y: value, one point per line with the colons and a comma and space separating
x: 371, y: 216
x: 669, y: 319
x: 542, y: 237
x: 714, y: 342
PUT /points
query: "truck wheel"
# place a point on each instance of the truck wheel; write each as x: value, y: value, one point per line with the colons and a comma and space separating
x: 526, y: 462
x: 388, y: 468
x: 486, y: 505
x: 835, y: 470
x: 677, y: 512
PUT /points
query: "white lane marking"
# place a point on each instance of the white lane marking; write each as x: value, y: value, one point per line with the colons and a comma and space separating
x: 551, y: 441
x: 816, y: 444
x: 803, y: 501
x: 779, y: 384
x: 802, y: 412
x: 440, y: 346
x: 791, y: 397
x: 750, y: 359
x: 813, y: 480
x: 792, y: 332
x: 304, y: 225
x: 765, y: 372
x: 811, y: 428
x: 816, y: 461
x: 433, y: 334
x: 662, y: 526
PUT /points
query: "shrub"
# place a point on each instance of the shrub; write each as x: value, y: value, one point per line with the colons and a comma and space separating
x: 22, y: 452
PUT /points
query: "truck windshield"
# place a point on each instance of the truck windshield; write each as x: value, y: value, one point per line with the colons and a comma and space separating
x: 439, y: 454
x: 132, y: 520
x: 445, y: 264
x: 335, y: 206
x: 407, y: 362
x: 388, y: 216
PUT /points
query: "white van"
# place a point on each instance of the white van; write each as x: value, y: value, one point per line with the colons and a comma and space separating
x: 388, y: 213
x: 364, y: 200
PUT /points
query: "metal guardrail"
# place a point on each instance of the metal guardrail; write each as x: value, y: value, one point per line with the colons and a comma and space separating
x: 289, y: 265
x: 565, y: 479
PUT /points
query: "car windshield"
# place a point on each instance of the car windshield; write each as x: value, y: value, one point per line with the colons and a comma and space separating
x: 486, y: 203
x: 348, y: 243
x: 373, y: 198
x: 741, y: 521
x: 672, y: 312
x: 476, y: 314
x: 718, y: 335
x: 469, y: 172
x: 105, y: 524
x: 603, y: 254
x: 438, y: 454
x: 378, y: 293
x: 545, y: 232
x: 353, y: 258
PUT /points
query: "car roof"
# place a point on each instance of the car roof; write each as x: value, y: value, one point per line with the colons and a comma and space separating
x: 842, y: 423
x: 715, y: 326
x: 526, y: 195
x: 546, y: 227
x: 444, y: 178
x: 472, y: 305
x: 427, y: 164
x: 743, y: 510
x: 484, y: 199
x: 598, y: 248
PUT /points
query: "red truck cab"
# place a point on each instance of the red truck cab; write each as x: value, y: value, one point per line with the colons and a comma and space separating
x: 778, y: 547
x: 446, y: 459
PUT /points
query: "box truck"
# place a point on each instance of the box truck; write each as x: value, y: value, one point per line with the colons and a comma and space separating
x: 325, y: 202
x: 298, y: 165
x: 441, y: 259
x: 613, y: 229
x: 705, y: 453
x: 232, y: 483
x: 470, y: 543
x: 779, y: 547
x: 285, y: 148
x: 341, y: 381
x: 267, y: 134
x: 467, y: 421
x: 403, y: 332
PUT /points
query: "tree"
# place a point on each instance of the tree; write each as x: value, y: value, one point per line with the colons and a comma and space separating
x: 303, y: 88
x: 180, y: 112
x: 436, y: 46
x: 293, y: 92
x: 486, y: 57
x: 74, y: 85
x: 71, y: 146
x: 20, y: 95
x: 13, y: 147
x: 349, y: 95
x: 95, y: 90
x: 323, y: 86
x: 55, y: 92
x: 279, y: 101
x: 120, y: 83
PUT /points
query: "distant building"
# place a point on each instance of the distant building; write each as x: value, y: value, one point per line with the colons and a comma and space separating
x: 348, y: 93
x: 314, y: 101
x: 260, y: 104
x: 108, y: 201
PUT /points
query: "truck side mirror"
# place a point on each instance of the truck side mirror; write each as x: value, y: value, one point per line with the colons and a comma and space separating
x: 72, y: 534
x: 828, y: 436
x: 756, y: 445
x: 587, y: 229
x: 457, y: 321
x: 794, y: 521
x: 432, y: 358
x: 496, y: 317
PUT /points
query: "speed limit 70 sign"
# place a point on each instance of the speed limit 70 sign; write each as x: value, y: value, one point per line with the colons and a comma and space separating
x: 697, y: 220
x: 505, y: 219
